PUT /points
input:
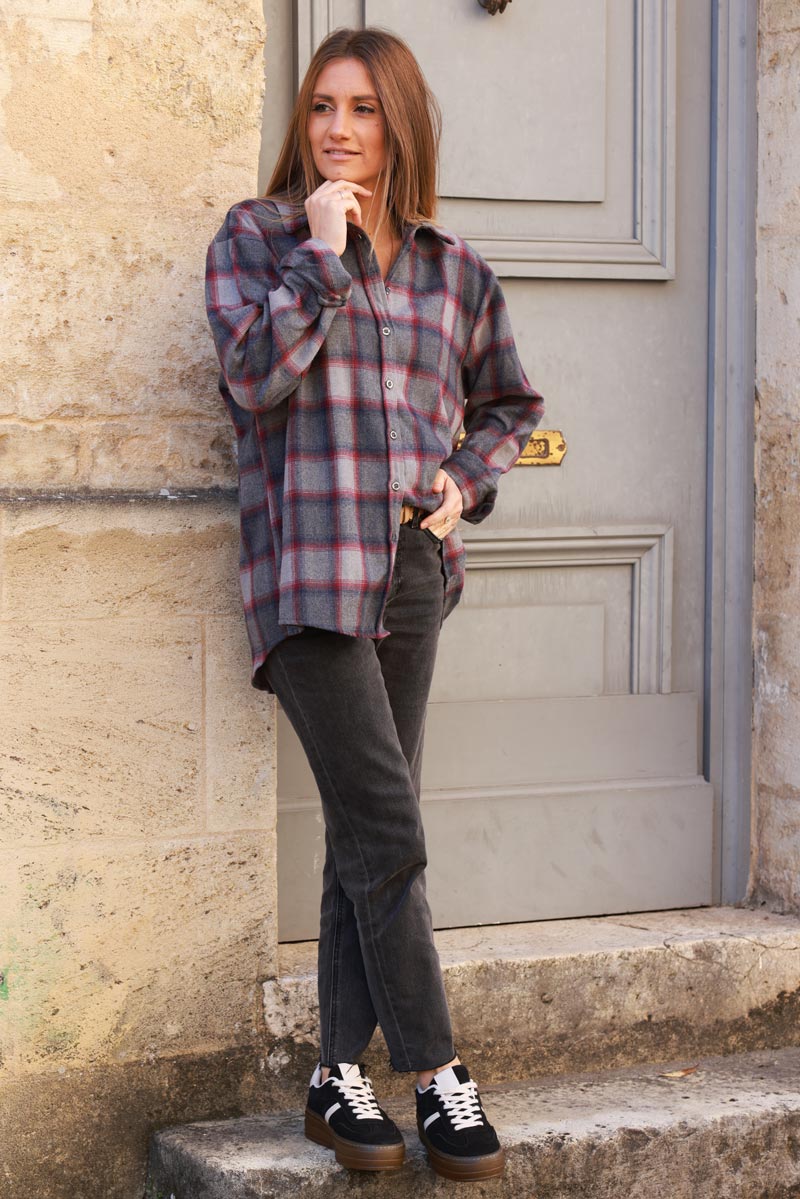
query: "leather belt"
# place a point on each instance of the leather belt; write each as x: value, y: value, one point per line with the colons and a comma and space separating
x: 412, y: 515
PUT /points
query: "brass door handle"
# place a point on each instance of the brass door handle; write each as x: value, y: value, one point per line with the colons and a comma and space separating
x: 493, y: 6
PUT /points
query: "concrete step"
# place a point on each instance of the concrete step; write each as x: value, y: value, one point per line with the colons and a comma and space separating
x: 575, y: 995
x: 728, y: 1130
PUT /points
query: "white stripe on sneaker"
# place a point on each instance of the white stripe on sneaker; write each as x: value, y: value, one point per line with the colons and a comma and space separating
x: 431, y: 1119
x: 333, y: 1108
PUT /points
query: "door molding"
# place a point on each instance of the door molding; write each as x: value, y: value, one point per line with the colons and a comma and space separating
x: 642, y: 248
x: 648, y: 551
x: 648, y: 251
x: 731, y: 403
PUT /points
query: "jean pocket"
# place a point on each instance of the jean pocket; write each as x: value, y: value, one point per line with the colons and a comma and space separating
x: 430, y: 533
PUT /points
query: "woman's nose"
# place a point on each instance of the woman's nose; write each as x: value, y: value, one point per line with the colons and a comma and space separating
x: 340, y: 123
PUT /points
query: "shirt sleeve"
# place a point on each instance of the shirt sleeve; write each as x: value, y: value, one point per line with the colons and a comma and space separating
x: 269, y: 318
x: 501, y: 408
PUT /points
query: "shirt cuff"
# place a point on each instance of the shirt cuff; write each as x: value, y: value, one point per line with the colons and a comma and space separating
x: 319, y: 267
x: 475, y: 482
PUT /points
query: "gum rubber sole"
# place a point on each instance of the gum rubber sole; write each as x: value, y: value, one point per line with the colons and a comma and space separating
x: 351, y: 1154
x: 464, y: 1169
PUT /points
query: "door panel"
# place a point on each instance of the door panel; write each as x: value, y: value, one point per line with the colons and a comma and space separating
x: 481, y: 744
x: 562, y: 768
x: 565, y: 61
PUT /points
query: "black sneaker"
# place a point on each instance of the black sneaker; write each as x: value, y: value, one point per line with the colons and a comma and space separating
x: 461, y: 1143
x: 343, y: 1114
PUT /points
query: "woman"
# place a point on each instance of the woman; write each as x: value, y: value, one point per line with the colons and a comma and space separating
x: 355, y: 336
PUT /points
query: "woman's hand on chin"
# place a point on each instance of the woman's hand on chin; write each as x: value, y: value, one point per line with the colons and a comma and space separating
x: 330, y: 207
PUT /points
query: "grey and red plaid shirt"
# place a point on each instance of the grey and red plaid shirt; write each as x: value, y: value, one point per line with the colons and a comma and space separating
x: 347, y: 395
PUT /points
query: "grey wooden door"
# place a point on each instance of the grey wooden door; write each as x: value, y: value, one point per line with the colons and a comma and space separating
x: 562, y: 770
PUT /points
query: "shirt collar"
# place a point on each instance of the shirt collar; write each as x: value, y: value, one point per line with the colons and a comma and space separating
x: 293, y: 221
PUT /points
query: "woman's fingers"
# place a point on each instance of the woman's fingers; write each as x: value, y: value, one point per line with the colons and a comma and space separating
x: 352, y: 208
x: 335, y: 184
x: 444, y: 519
x: 330, y: 207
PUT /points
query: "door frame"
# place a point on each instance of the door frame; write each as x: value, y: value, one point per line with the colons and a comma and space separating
x: 730, y: 516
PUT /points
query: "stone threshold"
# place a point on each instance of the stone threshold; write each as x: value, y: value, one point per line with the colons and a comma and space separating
x: 580, y: 994
x: 727, y: 1129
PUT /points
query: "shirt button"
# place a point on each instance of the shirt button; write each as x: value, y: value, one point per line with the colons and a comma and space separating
x: 393, y: 435
x: 386, y: 330
x: 395, y: 486
x: 389, y: 384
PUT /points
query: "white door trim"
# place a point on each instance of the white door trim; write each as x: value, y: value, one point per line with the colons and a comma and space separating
x: 731, y: 396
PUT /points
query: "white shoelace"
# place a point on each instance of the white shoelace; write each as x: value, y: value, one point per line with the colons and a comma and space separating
x: 359, y: 1094
x: 462, y: 1106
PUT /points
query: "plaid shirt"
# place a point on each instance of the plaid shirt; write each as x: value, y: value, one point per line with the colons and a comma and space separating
x: 347, y: 396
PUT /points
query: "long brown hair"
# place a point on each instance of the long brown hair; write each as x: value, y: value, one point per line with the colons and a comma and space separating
x: 412, y: 126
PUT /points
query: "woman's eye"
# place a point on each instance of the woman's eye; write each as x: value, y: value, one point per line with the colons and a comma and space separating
x: 361, y: 109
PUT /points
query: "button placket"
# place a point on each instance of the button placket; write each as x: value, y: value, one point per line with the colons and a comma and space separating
x: 388, y: 383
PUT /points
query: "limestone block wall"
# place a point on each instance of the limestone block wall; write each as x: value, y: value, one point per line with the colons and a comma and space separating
x: 137, y: 809
x: 128, y: 126
x: 776, y: 810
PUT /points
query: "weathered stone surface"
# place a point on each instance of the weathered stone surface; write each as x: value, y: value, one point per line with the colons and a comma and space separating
x: 141, y: 454
x: 135, y: 80
x: 240, y: 736
x: 531, y: 999
x: 778, y: 306
x: 776, y: 814
x: 143, y: 351
x: 129, y: 934
x: 727, y: 1130
x: 129, y: 931
x: 45, y: 453
x: 779, y: 15
x: 82, y: 561
x: 83, y: 1134
x: 102, y: 724
x: 777, y: 708
x: 128, y: 130
x: 778, y: 838
x: 779, y: 154
x: 778, y: 509
x: 131, y: 951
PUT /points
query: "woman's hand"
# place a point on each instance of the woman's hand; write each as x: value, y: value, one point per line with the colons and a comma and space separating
x: 330, y: 207
x: 443, y: 520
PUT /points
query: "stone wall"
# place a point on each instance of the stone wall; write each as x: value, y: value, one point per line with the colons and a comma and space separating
x: 137, y: 811
x: 776, y: 814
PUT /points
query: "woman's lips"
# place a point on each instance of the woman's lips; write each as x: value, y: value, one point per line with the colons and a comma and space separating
x: 342, y: 153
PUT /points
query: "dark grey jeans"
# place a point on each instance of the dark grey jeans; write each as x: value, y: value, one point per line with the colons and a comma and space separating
x: 358, y: 707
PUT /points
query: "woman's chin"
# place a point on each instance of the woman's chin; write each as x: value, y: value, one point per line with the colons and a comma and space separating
x: 334, y: 172
x: 340, y: 171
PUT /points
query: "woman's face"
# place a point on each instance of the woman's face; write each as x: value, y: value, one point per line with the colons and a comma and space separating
x: 346, y: 124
